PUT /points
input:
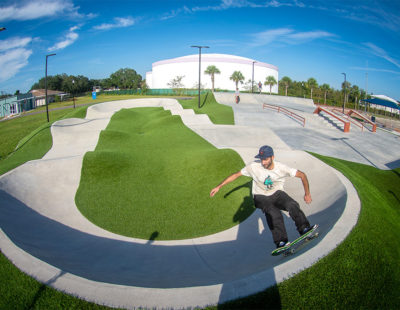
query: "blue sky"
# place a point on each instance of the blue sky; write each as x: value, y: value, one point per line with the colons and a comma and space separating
x: 319, y: 39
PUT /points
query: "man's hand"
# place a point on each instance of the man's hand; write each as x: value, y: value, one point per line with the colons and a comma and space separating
x: 214, y: 191
x: 307, y: 198
x: 229, y: 179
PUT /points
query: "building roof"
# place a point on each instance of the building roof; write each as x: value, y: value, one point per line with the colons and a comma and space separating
x: 42, y: 92
x: 382, y: 102
x: 215, y: 58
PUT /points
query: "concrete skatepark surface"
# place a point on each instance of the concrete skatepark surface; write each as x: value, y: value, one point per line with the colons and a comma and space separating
x: 44, y: 235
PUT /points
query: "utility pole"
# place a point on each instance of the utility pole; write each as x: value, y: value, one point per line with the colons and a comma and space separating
x: 199, y: 47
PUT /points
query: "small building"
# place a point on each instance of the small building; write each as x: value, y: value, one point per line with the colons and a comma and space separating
x: 16, y: 104
x: 40, y: 96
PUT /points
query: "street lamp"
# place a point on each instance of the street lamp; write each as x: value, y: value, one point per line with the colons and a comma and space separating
x: 45, y: 83
x: 73, y: 91
x: 252, y: 77
x: 199, y: 47
x: 344, y: 100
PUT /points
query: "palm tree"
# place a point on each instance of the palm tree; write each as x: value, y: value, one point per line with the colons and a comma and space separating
x: 237, y: 77
x: 286, y: 81
x: 346, y: 89
x: 312, y: 83
x: 270, y: 80
x: 212, y: 70
x: 325, y: 88
x: 355, y: 93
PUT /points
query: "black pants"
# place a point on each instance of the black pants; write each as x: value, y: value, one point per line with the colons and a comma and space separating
x: 272, y: 206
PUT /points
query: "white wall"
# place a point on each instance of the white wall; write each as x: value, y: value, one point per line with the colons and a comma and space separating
x: 188, y: 66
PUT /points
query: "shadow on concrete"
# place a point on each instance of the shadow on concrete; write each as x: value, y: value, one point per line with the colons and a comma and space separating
x: 154, y: 266
x: 393, y: 165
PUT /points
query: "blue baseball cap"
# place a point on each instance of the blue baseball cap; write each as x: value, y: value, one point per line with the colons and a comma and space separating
x: 265, y: 152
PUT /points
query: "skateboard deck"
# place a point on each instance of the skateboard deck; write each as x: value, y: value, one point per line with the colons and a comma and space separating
x: 296, y: 244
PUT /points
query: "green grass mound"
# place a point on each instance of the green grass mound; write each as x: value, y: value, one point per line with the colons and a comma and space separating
x: 218, y: 113
x: 37, y: 140
x: 150, y: 177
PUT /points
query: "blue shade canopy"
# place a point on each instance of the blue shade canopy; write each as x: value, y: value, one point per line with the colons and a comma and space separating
x: 382, y: 102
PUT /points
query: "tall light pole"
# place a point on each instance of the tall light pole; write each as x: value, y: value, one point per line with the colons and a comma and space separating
x: 73, y: 91
x: 199, y: 47
x: 252, y: 77
x: 344, y: 100
x: 45, y: 84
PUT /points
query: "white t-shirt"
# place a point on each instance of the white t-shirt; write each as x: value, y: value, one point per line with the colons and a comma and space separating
x: 267, y: 182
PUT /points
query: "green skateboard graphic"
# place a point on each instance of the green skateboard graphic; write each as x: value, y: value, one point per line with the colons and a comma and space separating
x: 296, y: 244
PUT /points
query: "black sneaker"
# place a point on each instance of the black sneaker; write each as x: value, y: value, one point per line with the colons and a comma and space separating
x: 282, y: 244
x: 307, y: 229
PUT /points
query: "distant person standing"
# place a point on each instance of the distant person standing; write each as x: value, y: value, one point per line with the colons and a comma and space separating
x: 237, y: 95
x: 259, y: 87
x: 269, y: 195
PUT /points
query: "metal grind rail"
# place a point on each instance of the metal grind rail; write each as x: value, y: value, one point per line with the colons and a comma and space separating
x: 353, y: 121
x: 357, y: 122
x: 345, y: 122
x: 291, y: 114
x: 363, y: 118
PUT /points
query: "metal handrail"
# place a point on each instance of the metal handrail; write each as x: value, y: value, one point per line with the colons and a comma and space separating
x: 346, y: 123
x: 287, y: 112
x: 353, y: 121
x: 364, y: 118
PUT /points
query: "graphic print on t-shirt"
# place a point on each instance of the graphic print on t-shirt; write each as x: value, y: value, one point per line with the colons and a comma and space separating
x: 269, y: 183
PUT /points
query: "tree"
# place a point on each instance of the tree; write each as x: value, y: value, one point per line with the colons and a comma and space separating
x: 270, y: 80
x: 212, y: 70
x: 248, y: 84
x: 126, y: 78
x: 237, y: 77
x: 355, y: 94
x: 311, y: 84
x: 346, y: 91
x: 286, y: 81
x: 144, y: 87
x: 325, y: 88
x: 176, y: 82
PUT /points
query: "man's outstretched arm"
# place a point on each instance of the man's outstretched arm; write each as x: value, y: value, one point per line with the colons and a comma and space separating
x: 306, y: 185
x: 229, y: 179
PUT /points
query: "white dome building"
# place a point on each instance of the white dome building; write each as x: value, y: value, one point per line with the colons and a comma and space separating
x: 163, y: 72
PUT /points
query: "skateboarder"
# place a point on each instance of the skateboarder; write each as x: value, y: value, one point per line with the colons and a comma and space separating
x: 269, y: 195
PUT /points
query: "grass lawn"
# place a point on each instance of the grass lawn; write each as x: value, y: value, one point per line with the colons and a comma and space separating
x: 28, y: 138
x: 84, y: 100
x: 362, y: 273
x: 151, y: 175
x: 218, y: 113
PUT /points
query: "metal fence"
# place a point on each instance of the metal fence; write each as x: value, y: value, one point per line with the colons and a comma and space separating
x: 156, y: 92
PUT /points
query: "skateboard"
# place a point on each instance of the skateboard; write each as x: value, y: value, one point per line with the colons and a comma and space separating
x: 296, y: 244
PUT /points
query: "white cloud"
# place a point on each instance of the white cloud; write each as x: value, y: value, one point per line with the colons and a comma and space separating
x: 119, y: 22
x: 234, y: 4
x: 174, y: 13
x: 69, y: 39
x: 30, y: 10
x: 377, y: 51
x: 15, y: 42
x: 366, y: 69
x: 13, y: 56
x: 287, y: 36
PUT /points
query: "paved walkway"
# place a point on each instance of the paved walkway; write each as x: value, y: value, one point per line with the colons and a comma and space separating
x: 43, y: 233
